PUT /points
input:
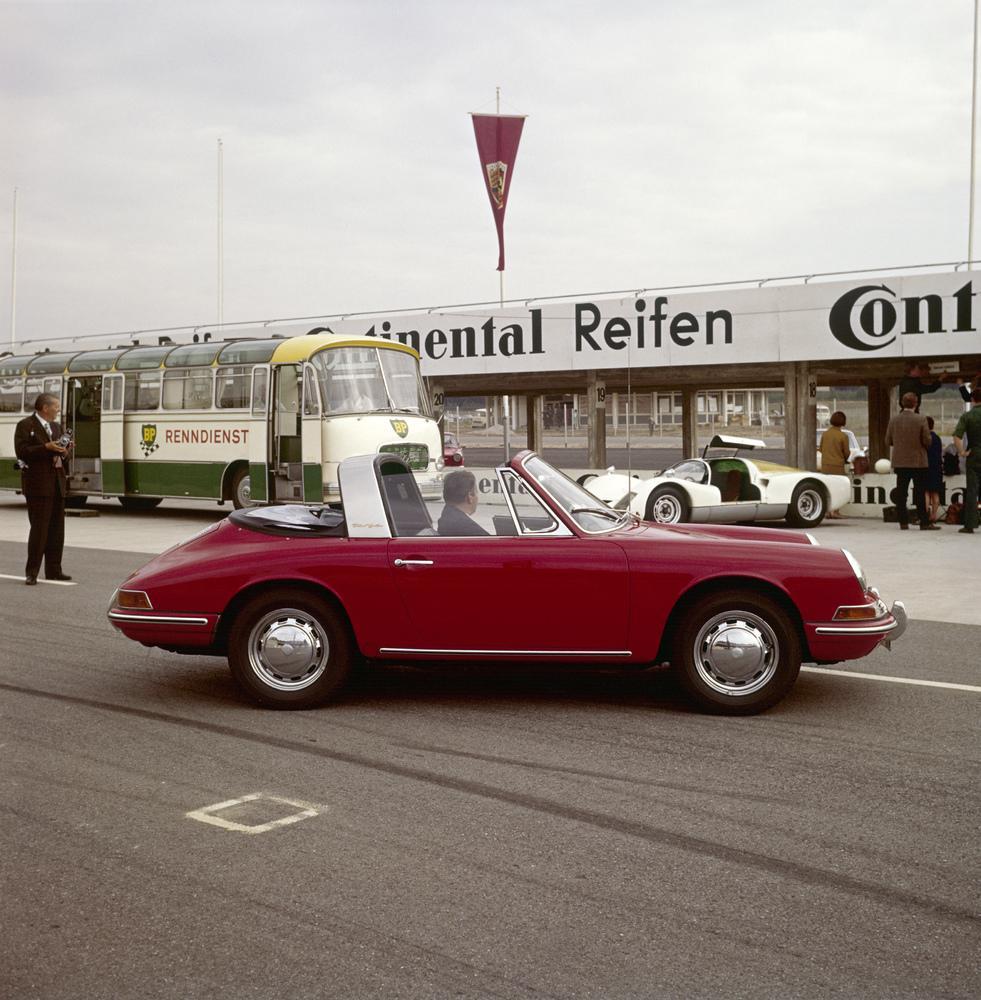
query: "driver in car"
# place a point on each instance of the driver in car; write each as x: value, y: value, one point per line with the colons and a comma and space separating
x: 461, y: 499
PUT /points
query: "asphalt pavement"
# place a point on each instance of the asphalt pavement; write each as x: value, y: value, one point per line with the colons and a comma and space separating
x: 478, y: 832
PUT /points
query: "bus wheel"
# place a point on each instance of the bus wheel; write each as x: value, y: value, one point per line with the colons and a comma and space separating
x: 140, y: 503
x: 241, y: 489
x: 76, y: 501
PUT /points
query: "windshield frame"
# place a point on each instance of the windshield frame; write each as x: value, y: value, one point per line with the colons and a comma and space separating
x: 600, y: 525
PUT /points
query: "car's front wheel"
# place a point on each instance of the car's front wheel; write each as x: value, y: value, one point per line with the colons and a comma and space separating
x: 736, y: 653
x: 807, y: 505
x: 668, y: 505
x: 290, y: 649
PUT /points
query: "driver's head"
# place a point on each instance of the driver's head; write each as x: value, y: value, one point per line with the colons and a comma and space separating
x: 460, y: 489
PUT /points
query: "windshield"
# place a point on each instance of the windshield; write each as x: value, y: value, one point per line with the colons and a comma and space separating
x: 369, y: 379
x: 586, y: 510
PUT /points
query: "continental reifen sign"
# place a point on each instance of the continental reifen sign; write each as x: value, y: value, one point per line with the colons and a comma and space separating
x: 907, y: 315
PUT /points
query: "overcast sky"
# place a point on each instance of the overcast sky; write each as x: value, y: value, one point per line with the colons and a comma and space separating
x: 667, y: 143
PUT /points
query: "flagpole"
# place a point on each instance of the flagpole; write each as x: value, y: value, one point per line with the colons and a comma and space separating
x: 13, y: 278
x: 974, y: 101
x: 221, y: 235
x: 507, y: 398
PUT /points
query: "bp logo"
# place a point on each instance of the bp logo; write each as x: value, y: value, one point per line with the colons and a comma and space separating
x: 148, y: 442
x: 400, y: 427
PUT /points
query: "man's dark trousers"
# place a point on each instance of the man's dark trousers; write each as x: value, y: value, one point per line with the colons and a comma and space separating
x: 918, y: 478
x: 47, y: 538
x: 972, y: 475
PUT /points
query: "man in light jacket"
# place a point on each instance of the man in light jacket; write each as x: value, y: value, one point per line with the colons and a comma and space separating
x: 908, y: 434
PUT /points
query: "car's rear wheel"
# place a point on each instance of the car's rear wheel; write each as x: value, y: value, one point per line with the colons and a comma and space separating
x: 808, y: 505
x: 668, y: 505
x: 737, y: 653
x: 290, y: 649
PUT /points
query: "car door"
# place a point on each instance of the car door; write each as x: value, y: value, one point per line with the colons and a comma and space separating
x: 519, y: 595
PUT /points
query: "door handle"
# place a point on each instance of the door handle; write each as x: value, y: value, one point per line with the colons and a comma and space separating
x: 413, y: 562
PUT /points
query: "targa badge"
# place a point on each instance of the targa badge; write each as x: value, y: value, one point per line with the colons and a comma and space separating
x: 400, y: 427
x: 148, y: 442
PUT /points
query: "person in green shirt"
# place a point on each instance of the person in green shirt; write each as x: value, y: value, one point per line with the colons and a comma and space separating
x: 969, y: 426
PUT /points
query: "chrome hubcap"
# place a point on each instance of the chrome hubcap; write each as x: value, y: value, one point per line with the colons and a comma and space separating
x: 809, y: 505
x: 288, y: 649
x: 245, y: 491
x: 667, y: 509
x: 736, y: 653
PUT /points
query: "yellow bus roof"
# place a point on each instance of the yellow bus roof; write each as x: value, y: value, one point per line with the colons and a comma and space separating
x: 302, y: 348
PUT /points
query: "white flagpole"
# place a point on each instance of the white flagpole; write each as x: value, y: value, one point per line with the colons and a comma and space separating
x: 974, y: 116
x: 13, y: 278
x: 221, y: 235
x: 507, y: 398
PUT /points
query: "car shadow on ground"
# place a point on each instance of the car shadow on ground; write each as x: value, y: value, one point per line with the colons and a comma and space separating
x: 481, y: 686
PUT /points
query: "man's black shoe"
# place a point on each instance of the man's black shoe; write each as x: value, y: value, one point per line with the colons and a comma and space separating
x: 929, y: 527
x: 966, y: 531
x: 58, y: 576
x: 904, y: 527
x: 31, y: 581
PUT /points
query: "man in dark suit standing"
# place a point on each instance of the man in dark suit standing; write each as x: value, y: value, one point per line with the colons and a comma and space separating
x: 908, y: 434
x: 44, y: 485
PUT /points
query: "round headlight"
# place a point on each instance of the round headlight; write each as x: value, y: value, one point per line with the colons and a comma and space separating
x: 439, y: 465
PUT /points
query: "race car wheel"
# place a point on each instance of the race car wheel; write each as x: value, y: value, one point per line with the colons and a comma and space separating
x: 668, y: 505
x: 290, y: 649
x: 807, y: 505
x: 736, y: 653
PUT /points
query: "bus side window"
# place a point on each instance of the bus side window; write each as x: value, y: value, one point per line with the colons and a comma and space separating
x: 185, y: 389
x: 10, y: 395
x: 260, y: 387
x: 233, y: 387
x: 311, y: 400
x: 142, y: 390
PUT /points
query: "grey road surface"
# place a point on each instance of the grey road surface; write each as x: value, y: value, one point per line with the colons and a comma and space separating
x: 475, y: 832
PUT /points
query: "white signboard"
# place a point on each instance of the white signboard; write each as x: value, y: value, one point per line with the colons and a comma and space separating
x: 920, y: 315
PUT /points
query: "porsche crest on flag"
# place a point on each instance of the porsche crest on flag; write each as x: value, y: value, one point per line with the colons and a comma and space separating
x: 497, y: 146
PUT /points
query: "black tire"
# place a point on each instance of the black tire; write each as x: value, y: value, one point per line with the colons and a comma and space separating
x: 668, y: 505
x: 736, y: 653
x: 311, y: 643
x: 140, y: 503
x: 76, y: 501
x: 240, y: 488
x: 808, y: 505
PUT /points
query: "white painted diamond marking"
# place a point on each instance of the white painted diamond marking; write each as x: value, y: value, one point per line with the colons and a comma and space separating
x: 207, y: 814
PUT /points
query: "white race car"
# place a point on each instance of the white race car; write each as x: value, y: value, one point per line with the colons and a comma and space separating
x: 723, y: 489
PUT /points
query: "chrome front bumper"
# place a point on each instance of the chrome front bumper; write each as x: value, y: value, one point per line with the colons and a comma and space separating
x: 890, y: 630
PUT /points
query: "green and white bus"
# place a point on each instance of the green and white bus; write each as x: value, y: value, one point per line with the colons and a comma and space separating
x: 251, y: 421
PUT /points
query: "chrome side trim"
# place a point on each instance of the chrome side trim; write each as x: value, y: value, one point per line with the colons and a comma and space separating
x: 509, y: 652
x: 116, y: 616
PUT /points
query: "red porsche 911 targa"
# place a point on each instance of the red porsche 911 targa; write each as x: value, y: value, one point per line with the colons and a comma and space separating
x: 295, y: 596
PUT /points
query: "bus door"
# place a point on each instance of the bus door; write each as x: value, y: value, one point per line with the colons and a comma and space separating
x: 83, y: 414
x: 311, y: 447
x: 286, y: 452
x: 260, y: 445
x: 111, y: 453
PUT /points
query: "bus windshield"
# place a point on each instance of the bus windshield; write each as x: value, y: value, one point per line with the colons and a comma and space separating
x: 366, y: 379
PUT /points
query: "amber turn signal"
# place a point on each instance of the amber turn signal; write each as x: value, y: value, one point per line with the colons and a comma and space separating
x: 133, y: 599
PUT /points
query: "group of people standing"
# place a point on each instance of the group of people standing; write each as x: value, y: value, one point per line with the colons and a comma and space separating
x: 917, y: 459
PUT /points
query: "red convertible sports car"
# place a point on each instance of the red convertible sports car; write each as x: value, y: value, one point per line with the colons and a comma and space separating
x: 295, y: 596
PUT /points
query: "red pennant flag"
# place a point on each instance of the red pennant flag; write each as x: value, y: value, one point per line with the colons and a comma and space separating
x: 497, y: 146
